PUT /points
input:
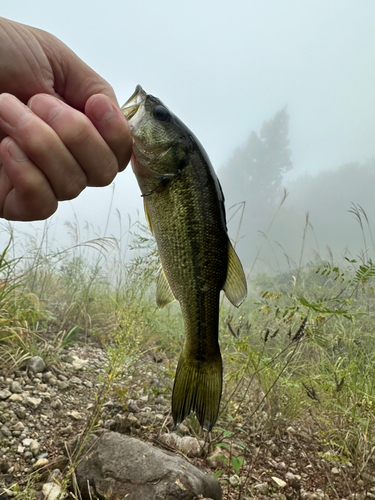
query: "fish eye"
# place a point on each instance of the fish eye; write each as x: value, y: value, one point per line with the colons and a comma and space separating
x: 161, y: 113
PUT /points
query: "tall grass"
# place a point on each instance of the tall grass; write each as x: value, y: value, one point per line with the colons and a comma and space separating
x: 301, y: 348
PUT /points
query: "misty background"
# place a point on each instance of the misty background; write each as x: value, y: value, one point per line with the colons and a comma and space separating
x: 281, y: 95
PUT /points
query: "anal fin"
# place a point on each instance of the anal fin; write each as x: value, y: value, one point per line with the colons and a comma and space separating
x: 235, y: 287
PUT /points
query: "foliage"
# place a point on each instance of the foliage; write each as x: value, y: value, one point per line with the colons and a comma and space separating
x: 301, y: 349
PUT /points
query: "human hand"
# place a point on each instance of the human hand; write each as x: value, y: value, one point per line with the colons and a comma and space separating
x: 60, y: 125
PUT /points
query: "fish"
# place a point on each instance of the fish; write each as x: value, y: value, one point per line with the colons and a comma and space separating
x: 184, y: 207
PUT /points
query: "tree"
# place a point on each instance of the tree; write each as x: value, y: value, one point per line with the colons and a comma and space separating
x: 255, y: 171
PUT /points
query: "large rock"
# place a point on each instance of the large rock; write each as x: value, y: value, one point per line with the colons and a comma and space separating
x: 118, y: 466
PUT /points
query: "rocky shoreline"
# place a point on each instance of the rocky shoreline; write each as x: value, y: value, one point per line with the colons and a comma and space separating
x: 42, y: 408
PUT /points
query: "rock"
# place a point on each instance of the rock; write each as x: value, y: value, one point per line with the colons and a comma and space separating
x: 171, y: 440
x: 67, y: 430
x: 75, y: 415
x: 218, y: 458
x: 5, y: 431
x: 183, y: 430
x: 78, y: 363
x: 16, y: 387
x: 56, y: 404
x: 51, y: 491
x: 132, y: 405
x: 16, y: 398
x: 3, y: 495
x: 17, y: 427
x: 118, y: 466
x: 191, y: 447
x: 76, y: 380
x: 317, y: 495
x: 281, y: 466
x: 5, y: 393
x: 279, y: 483
x: 34, y: 447
x: 36, y: 365
x: 34, y: 403
x: 133, y: 420
x: 40, y: 463
x: 52, y: 381
x: 234, y: 480
x: 335, y: 470
x: 55, y: 474
x: 262, y: 488
x: 63, y: 386
x: 4, y: 466
x: 21, y: 413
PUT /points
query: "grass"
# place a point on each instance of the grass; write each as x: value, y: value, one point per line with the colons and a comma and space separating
x: 301, y: 349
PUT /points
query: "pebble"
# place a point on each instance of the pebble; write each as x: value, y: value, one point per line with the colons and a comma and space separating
x: 65, y: 431
x: 36, y: 365
x: 234, y: 480
x: 34, y: 403
x: 191, y: 447
x: 132, y: 405
x: 4, y: 466
x: 78, y: 363
x: 51, y: 491
x: 262, y: 488
x: 171, y: 440
x: 16, y: 387
x: 4, y: 394
x: 16, y: 398
x: 34, y: 447
x: 40, y: 463
x: 20, y: 412
x: 52, y: 381
x: 5, y: 431
x: 279, y: 483
x: 63, y: 386
x: 281, y: 466
x: 75, y: 415
x: 17, y: 427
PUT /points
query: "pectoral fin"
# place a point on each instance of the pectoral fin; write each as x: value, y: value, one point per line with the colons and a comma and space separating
x: 164, y: 294
x: 164, y: 181
x: 235, y: 287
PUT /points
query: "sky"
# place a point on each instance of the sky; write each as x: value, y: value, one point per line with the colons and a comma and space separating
x: 224, y: 68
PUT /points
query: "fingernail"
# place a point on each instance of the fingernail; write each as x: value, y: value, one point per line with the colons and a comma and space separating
x: 12, y: 111
x: 101, y: 108
x: 45, y: 106
x: 16, y: 152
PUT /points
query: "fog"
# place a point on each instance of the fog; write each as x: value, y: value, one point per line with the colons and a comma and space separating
x: 225, y: 68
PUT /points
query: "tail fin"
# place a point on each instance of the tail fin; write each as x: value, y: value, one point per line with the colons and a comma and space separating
x: 197, y: 387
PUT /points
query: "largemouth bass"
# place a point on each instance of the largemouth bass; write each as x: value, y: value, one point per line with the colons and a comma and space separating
x: 184, y: 206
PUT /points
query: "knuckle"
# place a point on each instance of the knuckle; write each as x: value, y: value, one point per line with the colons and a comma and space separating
x: 107, y: 174
x: 78, y: 131
x: 38, y: 202
x: 72, y: 189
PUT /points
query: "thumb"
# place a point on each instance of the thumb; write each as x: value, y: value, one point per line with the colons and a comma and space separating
x: 74, y: 81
